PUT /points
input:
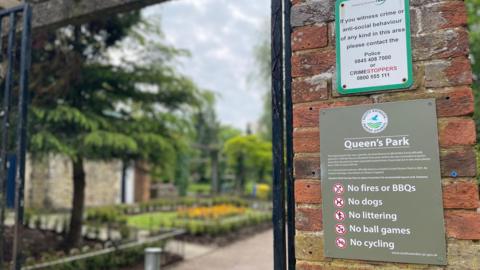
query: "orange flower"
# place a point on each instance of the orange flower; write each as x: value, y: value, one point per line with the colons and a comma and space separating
x: 211, y: 212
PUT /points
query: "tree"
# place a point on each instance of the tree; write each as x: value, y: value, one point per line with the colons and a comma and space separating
x: 86, y: 107
x: 262, y: 76
x: 207, y: 129
x: 473, y: 7
x: 248, y: 156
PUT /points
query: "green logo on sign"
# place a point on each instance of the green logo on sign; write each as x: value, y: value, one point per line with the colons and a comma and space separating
x: 374, y: 121
x: 374, y: 125
x: 381, y: 2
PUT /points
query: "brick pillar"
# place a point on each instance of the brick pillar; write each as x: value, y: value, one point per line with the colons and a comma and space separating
x: 142, y: 182
x: 442, y: 71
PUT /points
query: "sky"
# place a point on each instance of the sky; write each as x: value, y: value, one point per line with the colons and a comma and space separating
x: 221, y: 36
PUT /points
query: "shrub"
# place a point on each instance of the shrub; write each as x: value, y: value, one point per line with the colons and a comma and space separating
x: 106, y: 215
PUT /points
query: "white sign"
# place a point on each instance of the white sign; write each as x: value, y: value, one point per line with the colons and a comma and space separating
x: 373, y: 45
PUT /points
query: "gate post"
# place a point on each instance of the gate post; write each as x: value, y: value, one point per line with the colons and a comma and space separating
x: 442, y: 71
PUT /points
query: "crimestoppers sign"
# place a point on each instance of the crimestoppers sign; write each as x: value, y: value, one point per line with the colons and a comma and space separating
x: 381, y: 183
x: 373, y: 45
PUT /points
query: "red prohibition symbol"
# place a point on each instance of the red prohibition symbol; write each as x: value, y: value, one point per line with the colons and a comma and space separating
x: 338, y: 189
x: 340, y: 229
x: 339, y: 202
x: 341, y: 243
x: 339, y: 215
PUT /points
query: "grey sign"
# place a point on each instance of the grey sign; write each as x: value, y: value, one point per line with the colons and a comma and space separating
x: 381, y: 183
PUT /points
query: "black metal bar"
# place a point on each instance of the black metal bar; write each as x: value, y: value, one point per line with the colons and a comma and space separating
x: 16, y: 9
x: 279, y: 242
x: 289, y: 136
x: 9, y: 77
x: 3, y: 158
x: 6, y: 118
x: 22, y: 134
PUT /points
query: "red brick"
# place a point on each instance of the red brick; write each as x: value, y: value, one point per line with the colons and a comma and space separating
x: 455, y: 101
x: 464, y: 225
x: 441, y: 44
x: 423, y: 2
x: 313, y: 63
x: 460, y: 195
x: 307, y: 167
x: 443, y: 15
x: 460, y: 71
x: 309, y: 37
x: 308, y: 191
x: 331, y: 34
x: 294, y: 2
x: 308, y: 219
x: 309, y: 247
x: 454, y: 72
x: 306, y: 141
x: 461, y: 160
x: 309, y: 266
x: 457, y: 131
x: 308, y: 115
x: 310, y: 89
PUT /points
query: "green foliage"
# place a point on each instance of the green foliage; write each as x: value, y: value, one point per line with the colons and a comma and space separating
x: 473, y: 7
x: 87, y: 106
x: 262, y: 76
x: 98, y: 214
x: 105, y: 215
x: 249, y: 156
x: 206, y: 138
x: 115, y: 260
x: 182, y: 176
x: 167, y: 220
x: 199, y: 189
x: 227, y: 133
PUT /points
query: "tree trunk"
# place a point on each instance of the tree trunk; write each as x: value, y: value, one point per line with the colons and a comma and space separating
x: 124, y: 181
x: 240, y: 184
x: 261, y: 174
x: 215, y: 182
x: 75, y: 232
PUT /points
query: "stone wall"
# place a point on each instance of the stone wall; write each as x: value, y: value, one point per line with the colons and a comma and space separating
x: 442, y: 71
x: 49, y: 183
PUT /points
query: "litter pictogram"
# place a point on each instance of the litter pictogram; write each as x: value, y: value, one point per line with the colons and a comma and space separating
x: 339, y: 215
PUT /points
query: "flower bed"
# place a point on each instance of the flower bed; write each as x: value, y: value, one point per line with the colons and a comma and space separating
x: 170, y: 205
x: 212, y: 212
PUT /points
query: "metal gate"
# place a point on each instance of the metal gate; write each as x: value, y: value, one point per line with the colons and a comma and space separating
x: 282, y: 125
x: 14, y: 121
x: 15, y: 53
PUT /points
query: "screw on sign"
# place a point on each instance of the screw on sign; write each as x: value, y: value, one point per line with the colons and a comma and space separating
x: 338, y: 189
x: 339, y: 215
x: 341, y: 243
x: 340, y: 229
x: 339, y: 202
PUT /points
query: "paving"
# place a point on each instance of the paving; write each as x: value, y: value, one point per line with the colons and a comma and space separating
x: 255, y: 253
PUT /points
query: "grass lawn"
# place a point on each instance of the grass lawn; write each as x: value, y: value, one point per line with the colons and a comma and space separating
x: 199, y: 188
x: 154, y: 221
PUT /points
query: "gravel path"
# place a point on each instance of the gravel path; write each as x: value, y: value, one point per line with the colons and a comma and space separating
x: 255, y: 253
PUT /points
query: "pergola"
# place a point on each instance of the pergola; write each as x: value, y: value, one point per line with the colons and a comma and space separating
x: 54, y: 13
